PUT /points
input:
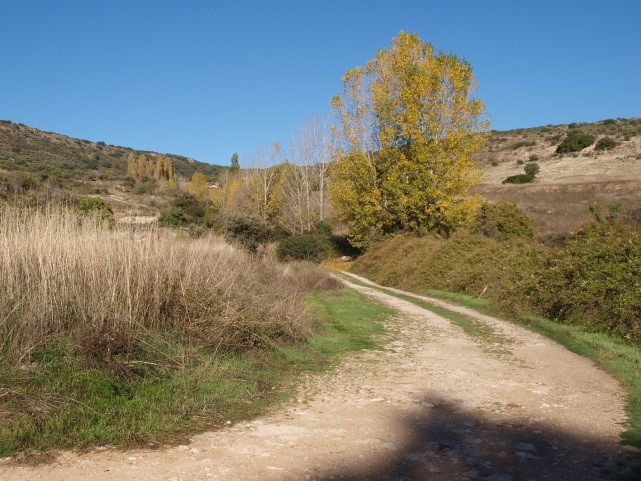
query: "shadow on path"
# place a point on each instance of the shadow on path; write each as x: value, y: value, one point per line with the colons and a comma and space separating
x: 448, y: 443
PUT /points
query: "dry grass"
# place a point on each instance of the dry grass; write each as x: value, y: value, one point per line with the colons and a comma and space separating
x: 65, y: 276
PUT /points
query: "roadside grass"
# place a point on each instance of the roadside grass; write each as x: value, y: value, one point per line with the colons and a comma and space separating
x: 621, y: 360
x: 66, y: 403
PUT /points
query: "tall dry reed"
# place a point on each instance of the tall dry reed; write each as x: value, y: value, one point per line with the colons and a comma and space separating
x: 61, y: 275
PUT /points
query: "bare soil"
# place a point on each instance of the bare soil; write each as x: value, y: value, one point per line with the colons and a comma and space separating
x: 435, y: 404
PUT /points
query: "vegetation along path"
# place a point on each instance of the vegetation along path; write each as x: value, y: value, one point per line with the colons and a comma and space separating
x: 450, y: 397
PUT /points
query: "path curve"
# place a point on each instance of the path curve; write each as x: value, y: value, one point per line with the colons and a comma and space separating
x: 435, y: 404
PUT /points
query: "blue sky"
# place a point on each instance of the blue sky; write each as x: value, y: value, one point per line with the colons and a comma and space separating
x: 209, y: 78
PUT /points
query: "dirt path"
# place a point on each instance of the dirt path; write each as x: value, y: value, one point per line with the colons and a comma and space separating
x: 436, y: 404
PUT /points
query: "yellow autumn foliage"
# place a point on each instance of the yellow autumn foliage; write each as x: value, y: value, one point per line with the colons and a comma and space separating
x: 410, y: 125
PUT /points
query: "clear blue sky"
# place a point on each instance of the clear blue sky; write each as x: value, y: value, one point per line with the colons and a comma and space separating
x: 209, y: 78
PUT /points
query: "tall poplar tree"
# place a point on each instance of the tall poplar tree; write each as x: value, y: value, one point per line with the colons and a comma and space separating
x: 408, y: 126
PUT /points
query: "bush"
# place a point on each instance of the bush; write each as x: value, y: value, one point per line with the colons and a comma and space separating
x: 193, y: 208
x: 575, y: 141
x: 518, y: 179
x: 95, y: 207
x: 248, y: 232
x: 304, y: 247
x: 520, y: 162
x: 532, y: 169
x: 594, y: 281
x: 502, y: 220
x: 172, y: 217
x: 523, y: 143
x: 143, y: 188
x: 606, y: 143
x: 533, y: 158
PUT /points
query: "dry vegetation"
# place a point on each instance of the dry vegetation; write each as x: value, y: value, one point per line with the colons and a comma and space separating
x: 61, y: 275
x: 123, y: 337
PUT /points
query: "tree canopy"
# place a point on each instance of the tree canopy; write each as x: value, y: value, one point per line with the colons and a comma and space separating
x: 408, y: 126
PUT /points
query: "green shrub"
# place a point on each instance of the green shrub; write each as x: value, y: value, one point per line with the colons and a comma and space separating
x: 575, y: 141
x: 143, y: 188
x: 606, y: 143
x: 518, y: 179
x: 532, y: 169
x: 193, y: 208
x: 248, y: 232
x: 304, y: 247
x: 594, y: 281
x: 172, y: 217
x: 94, y: 206
x: 523, y: 143
x: 533, y: 158
x: 502, y: 220
x: 520, y: 162
x: 494, y: 163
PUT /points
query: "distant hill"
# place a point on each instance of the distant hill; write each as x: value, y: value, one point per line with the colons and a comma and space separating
x: 58, y: 157
x: 607, y: 171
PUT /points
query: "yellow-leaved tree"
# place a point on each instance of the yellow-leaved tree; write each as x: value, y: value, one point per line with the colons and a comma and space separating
x: 198, y: 186
x: 408, y: 128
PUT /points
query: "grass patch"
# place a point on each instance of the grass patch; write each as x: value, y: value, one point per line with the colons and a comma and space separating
x: 58, y: 401
x: 347, y: 321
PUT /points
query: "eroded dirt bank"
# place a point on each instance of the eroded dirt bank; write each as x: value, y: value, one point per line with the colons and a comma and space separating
x: 435, y: 405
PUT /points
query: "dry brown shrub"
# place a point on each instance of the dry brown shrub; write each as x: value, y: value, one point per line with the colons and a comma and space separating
x: 63, y: 275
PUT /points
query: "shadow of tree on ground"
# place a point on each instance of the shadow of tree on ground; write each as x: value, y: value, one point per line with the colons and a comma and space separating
x: 449, y: 443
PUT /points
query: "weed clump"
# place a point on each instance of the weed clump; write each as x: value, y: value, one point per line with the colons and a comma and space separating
x: 62, y: 275
x: 523, y: 143
x: 116, y: 337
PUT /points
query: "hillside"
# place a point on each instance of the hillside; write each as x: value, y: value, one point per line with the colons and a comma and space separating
x: 557, y: 200
x: 60, y: 158
x: 559, y: 197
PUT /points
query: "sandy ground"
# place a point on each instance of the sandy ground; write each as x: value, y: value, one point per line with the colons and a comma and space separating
x: 434, y: 405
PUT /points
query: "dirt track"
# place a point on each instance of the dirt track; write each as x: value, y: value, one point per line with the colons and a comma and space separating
x: 434, y: 405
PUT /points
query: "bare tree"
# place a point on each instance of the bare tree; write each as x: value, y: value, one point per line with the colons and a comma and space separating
x: 305, y: 182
